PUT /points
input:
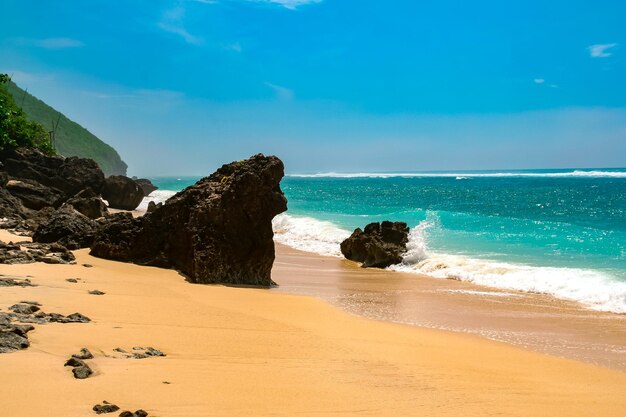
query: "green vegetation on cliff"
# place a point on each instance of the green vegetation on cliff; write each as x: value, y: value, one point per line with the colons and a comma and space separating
x: 71, y: 139
x: 15, y: 129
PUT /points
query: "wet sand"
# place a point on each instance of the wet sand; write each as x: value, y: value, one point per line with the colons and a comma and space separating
x: 242, y: 351
x: 534, y: 321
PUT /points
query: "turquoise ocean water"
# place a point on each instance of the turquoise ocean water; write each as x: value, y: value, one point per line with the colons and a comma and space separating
x: 561, y: 232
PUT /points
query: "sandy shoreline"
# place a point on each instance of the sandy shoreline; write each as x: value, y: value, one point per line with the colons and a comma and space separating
x: 539, y: 322
x: 235, y: 351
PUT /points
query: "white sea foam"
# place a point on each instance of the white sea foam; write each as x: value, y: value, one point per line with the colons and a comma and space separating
x: 595, y: 289
x: 308, y: 234
x: 466, y: 175
x: 158, y: 196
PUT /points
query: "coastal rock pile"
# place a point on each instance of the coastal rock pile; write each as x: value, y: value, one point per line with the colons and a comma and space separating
x: 15, y: 325
x: 216, y: 231
x: 378, y: 246
x: 57, y: 198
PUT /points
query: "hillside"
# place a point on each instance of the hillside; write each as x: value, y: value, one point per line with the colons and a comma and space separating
x: 71, y: 138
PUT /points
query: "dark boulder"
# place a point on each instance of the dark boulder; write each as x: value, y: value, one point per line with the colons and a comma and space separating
x: 89, y: 204
x: 35, y: 252
x: 69, y: 175
x: 67, y: 227
x: 216, y: 231
x: 146, y: 185
x: 122, y: 192
x: 35, y: 196
x: 378, y: 246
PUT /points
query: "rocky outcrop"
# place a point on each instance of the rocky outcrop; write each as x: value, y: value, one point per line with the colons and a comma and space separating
x: 35, y: 196
x: 378, y: 246
x: 216, y: 231
x: 69, y: 175
x: 122, y: 192
x: 146, y: 185
x: 67, y: 227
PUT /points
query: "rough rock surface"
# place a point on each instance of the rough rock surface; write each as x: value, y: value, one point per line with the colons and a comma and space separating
x: 11, y: 207
x: 218, y: 230
x: 69, y: 175
x: 89, y: 204
x: 67, y: 227
x: 13, y: 336
x: 35, y: 196
x: 105, y: 407
x: 378, y: 246
x: 54, y: 253
x: 122, y: 192
x: 146, y: 185
x: 138, y: 413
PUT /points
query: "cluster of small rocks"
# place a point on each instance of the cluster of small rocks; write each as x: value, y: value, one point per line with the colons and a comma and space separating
x: 106, y: 407
x: 13, y: 336
x: 79, y: 368
x: 140, y: 352
x: 26, y: 252
x: 15, y: 282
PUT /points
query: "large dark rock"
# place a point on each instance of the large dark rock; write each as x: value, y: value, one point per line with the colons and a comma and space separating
x: 146, y: 185
x: 216, y: 231
x: 67, y: 227
x: 122, y: 192
x: 378, y: 246
x: 69, y: 175
x: 89, y: 204
x: 34, y: 195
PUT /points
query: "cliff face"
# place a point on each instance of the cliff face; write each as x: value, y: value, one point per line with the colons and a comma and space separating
x: 71, y: 138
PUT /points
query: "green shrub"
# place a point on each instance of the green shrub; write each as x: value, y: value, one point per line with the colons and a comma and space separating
x: 15, y: 129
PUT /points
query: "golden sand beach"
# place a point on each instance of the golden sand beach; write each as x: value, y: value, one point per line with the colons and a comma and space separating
x: 243, y: 351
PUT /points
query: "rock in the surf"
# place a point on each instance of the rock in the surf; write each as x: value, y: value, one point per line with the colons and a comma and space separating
x: 218, y: 230
x: 378, y: 245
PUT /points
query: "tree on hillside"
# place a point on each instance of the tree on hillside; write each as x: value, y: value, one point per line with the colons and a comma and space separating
x: 15, y: 129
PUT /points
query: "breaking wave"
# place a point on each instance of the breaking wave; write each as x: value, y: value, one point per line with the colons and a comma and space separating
x: 595, y: 289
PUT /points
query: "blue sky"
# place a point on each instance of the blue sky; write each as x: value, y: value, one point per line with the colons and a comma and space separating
x: 181, y: 86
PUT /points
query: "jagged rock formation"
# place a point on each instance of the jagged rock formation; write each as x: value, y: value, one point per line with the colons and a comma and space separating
x: 216, y: 231
x: 122, y: 192
x: 68, y: 175
x: 378, y: 246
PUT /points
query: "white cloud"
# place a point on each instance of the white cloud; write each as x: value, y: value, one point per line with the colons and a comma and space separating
x: 601, y: 50
x: 172, y: 22
x: 50, y: 43
x: 282, y: 93
x: 236, y: 46
x: 289, y: 4
x: 539, y: 80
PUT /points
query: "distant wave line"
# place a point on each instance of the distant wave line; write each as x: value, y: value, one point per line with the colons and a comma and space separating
x: 569, y: 174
